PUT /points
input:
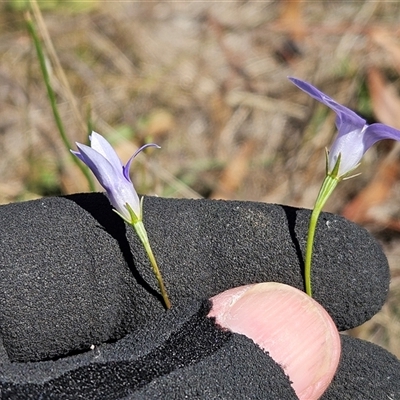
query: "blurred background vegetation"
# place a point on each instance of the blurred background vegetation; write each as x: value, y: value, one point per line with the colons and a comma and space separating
x: 208, y: 82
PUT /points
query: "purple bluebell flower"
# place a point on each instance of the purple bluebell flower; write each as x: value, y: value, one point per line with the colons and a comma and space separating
x: 355, y: 136
x: 105, y: 164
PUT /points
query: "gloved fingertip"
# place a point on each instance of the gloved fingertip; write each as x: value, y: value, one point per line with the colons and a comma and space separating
x: 293, y: 328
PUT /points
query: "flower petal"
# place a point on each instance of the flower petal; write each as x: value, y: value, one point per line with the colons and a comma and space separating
x: 345, y: 116
x: 376, y: 132
x: 127, y: 166
x: 351, y: 147
x: 105, y: 164
x: 104, y: 171
x: 77, y: 154
x: 101, y: 145
x: 120, y: 191
x: 124, y: 193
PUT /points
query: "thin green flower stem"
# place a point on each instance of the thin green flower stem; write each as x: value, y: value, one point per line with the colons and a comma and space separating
x: 326, y: 190
x: 141, y: 231
x: 52, y: 98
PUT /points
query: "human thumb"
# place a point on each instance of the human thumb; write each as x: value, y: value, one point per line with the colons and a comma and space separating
x: 293, y: 328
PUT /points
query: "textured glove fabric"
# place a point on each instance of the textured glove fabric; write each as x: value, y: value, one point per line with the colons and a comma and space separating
x: 182, y: 355
x: 73, y: 275
x: 366, y: 372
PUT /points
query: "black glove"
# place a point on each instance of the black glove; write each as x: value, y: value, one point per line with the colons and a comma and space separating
x: 74, y: 276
